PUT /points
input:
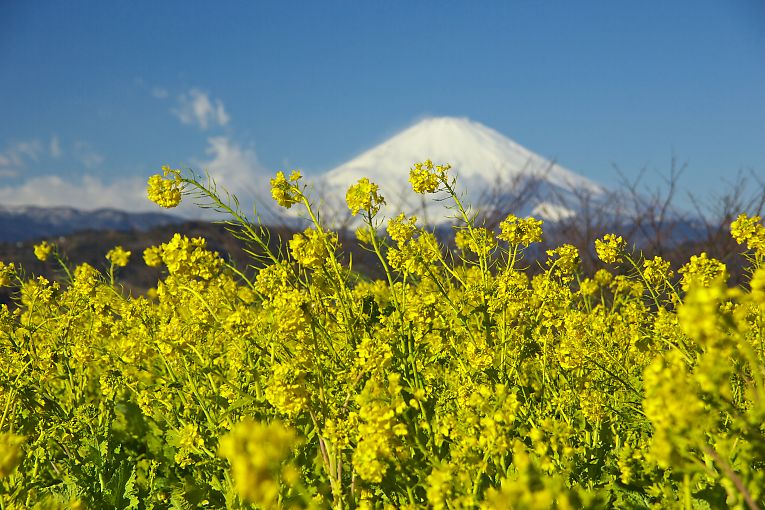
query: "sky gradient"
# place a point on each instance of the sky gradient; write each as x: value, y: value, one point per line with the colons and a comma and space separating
x: 96, y: 96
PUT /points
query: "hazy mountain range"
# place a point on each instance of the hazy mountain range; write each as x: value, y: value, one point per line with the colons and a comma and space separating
x: 23, y: 223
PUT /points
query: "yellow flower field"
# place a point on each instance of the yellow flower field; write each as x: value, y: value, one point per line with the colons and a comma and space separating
x: 462, y: 379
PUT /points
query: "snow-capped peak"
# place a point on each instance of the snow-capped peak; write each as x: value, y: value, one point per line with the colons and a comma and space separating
x: 481, y: 158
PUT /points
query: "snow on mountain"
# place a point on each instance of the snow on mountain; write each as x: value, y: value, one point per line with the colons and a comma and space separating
x: 552, y: 212
x: 492, y: 168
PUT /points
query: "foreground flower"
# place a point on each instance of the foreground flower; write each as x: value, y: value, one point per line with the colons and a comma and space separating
x: 7, y: 271
x: 10, y: 453
x: 520, y: 231
x: 286, y: 192
x: 163, y: 191
x: 565, y: 258
x: 611, y: 248
x: 656, y: 270
x: 258, y: 455
x: 43, y: 250
x: 750, y: 231
x: 426, y: 177
x: 118, y: 256
x: 702, y: 270
x: 364, y: 196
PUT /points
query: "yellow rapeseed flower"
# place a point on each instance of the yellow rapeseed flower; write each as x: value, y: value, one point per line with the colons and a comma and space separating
x: 426, y: 177
x: 520, y: 231
x: 43, y: 250
x: 401, y: 229
x: 656, y: 270
x: 749, y: 230
x: 11, y: 453
x: 610, y: 249
x: 309, y: 248
x: 258, y: 454
x: 702, y: 270
x: 286, y: 192
x: 567, y: 259
x: 118, y: 256
x: 364, y: 195
x: 6, y: 273
x: 163, y: 191
x: 152, y: 256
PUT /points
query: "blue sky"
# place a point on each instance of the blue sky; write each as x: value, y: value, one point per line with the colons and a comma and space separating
x: 95, y: 96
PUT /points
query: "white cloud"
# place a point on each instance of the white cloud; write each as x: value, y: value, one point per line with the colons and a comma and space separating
x: 87, y: 193
x: 17, y: 154
x: 30, y: 149
x: 87, y: 155
x: 237, y: 169
x: 55, y: 147
x: 232, y: 165
x: 90, y: 192
x: 196, y: 108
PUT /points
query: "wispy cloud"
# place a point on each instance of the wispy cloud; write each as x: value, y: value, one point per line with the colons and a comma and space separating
x: 159, y: 92
x: 16, y: 155
x: 232, y: 165
x: 197, y: 108
x: 156, y: 91
x: 87, y: 155
x: 55, y: 147
x: 236, y: 168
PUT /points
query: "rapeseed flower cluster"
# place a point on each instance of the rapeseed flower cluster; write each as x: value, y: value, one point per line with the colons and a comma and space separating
x: 258, y: 454
x: 163, y: 190
x: 185, y: 257
x: 401, y: 229
x: 480, y: 241
x: 520, y: 231
x: 11, y: 453
x: 7, y: 273
x: 702, y: 270
x: 379, y: 430
x: 118, y: 256
x: 365, y: 196
x: 749, y: 230
x: 426, y: 177
x: 286, y: 389
x: 610, y: 248
x: 311, y: 247
x: 565, y: 259
x: 286, y: 192
x: 415, y: 255
x: 656, y: 271
x: 43, y: 250
x: 187, y: 442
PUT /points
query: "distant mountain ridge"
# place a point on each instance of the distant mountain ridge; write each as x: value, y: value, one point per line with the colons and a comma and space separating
x: 21, y: 223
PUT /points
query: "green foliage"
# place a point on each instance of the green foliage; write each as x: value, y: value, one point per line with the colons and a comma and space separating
x: 459, y: 381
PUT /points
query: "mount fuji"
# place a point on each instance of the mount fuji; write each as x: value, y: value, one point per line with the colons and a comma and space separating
x: 494, y: 174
